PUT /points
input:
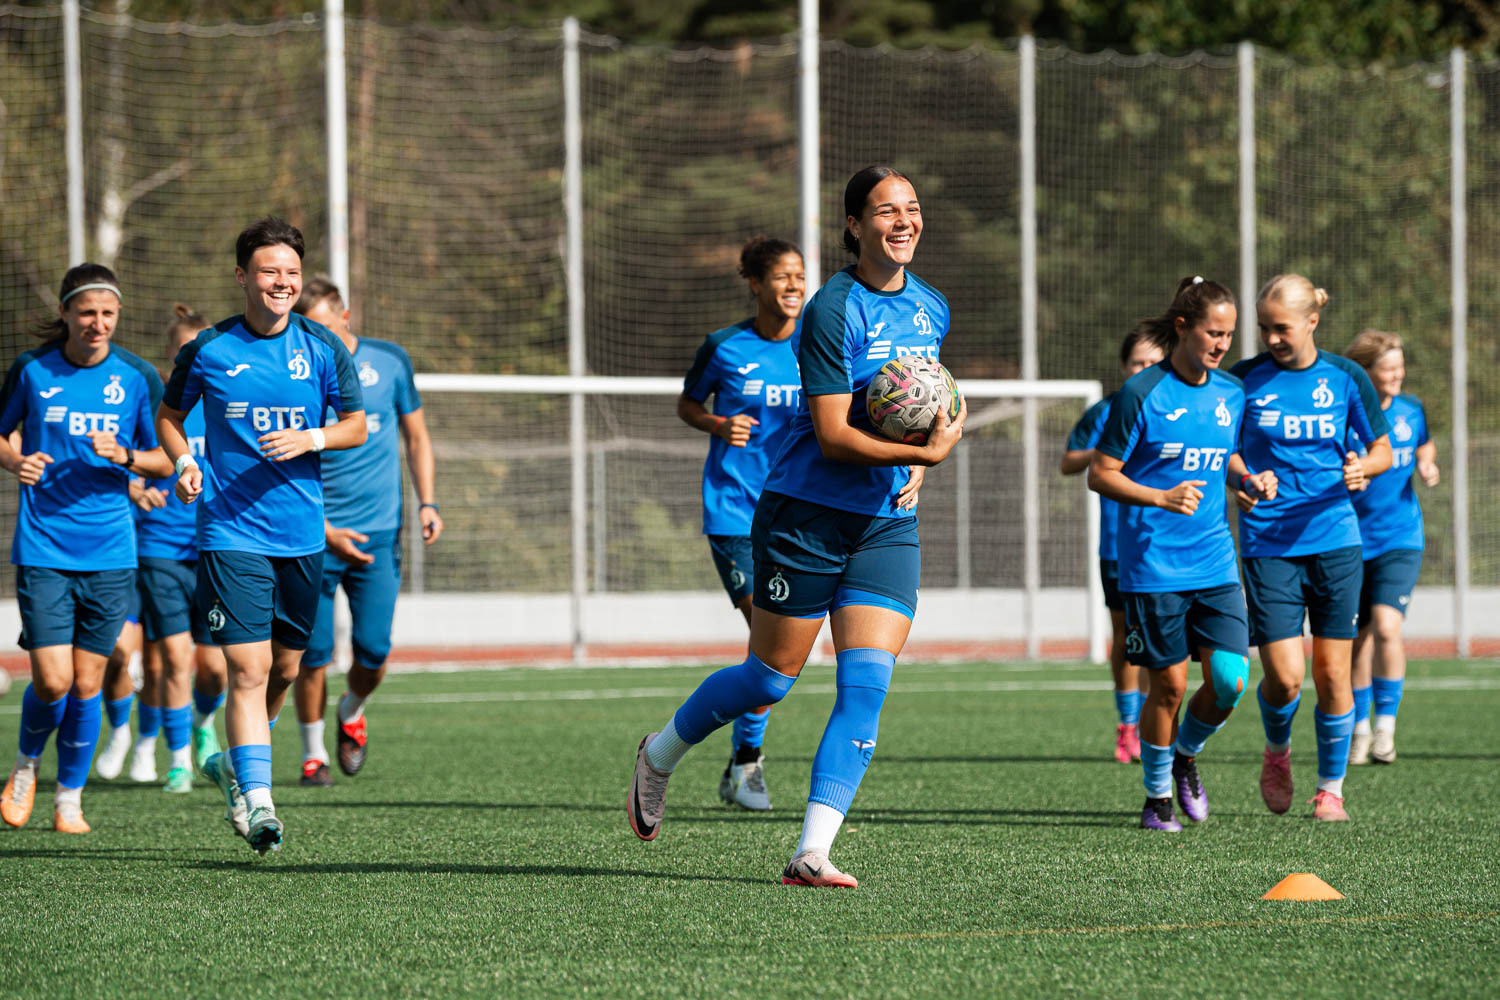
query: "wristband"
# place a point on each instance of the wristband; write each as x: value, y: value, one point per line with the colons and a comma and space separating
x: 718, y: 422
x: 185, y: 462
x: 319, y: 441
x: 432, y: 505
x: 129, y: 459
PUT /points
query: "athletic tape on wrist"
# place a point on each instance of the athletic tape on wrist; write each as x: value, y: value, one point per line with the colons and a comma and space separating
x: 319, y: 440
x: 185, y: 462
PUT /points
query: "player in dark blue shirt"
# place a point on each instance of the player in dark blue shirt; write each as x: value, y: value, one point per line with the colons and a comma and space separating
x: 1169, y: 445
x: 1392, y: 536
x: 264, y: 380
x: 1301, y: 551
x: 750, y: 370
x: 1139, y: 351
x: 834, y: 530
x: 83, y: 408
x: 363, y: 515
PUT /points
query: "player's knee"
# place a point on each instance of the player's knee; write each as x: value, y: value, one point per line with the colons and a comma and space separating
x: 763, y: 684
x: 1387, y: 626
x: 1231, y: 676
x: 1169, y: 686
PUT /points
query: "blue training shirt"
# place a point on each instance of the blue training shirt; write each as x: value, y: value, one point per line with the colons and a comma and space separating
x: 848, y: 331
x: 1084, y: 437
x: 1296, y: 426
x: 249, y: 386
x: 78, y: 517
x: 362, y: 486
x: 745, y: 373
x: 1390, y: 517
x: 171, y: 532
x: 1168, y: 432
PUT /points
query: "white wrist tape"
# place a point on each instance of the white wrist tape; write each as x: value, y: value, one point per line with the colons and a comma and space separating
x: 185, y: 462
x: 319, y: 440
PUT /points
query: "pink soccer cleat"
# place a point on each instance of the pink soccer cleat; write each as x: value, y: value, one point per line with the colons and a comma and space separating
x: 1328, y: 807
x: 1276, y: 780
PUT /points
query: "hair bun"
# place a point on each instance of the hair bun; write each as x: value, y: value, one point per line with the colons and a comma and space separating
x: 1320, y: 296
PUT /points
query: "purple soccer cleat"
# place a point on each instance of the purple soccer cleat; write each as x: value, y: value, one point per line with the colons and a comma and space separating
x: 1157, y: 815
x: 1190, y: 791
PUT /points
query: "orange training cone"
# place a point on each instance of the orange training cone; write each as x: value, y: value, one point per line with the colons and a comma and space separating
x: 1303, y: 886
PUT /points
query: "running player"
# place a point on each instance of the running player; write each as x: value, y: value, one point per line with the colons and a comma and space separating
x: 1139, y: 351
x: 1170, y: 442
x: 362, y: 532
x: 1390, y: 530
x: 84, y: 410
x: 124, y: 672
x: 1302, y: 552
x: 264, y: 379
x: 750, y: 370
x: 832, y: 532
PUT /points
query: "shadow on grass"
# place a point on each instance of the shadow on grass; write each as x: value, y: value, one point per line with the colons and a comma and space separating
x: 274, y: 867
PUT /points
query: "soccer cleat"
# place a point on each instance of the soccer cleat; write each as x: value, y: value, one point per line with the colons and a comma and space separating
x: 352, y: 743
x: 67, y: 817
x: 745, y: 785
x: 817, y: 872
x: 143, y: 763
x: 179, y: 781
x: 1383, y: 747
x: 205, y: 745
x: 1190, y: 793
x: 19, y: 795
x: 4, y: 682
x: 315, y: 774
x: 264, y: 833
x: 647, y: 802
x: 1127, y: 743
x: 1157, y: 814
x: 1276, y: 780
x: 217, y: 769
x: 112, y: 758
x: 1328, y: 807
x: 1359, y: 749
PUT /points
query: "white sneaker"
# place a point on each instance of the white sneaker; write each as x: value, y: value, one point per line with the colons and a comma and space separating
x: 143, y: 762
x: 816, y: 871
x: 744, y: 785
x: 1359, y: 749
x: 264, y: 831
x: 1384, y: 747
x: 111, y: 760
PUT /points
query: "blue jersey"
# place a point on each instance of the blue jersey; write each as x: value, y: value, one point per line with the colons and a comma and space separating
x: 362, y: 486
x: 1296, y: 426
x: 1167, y: 432
x: 745, y: 373
x: 170, y: 532
x: 78, y: 517
x: 250, y: 386
x: 1084, y: 437
x: 1389, y: 516
x: 849, y: 331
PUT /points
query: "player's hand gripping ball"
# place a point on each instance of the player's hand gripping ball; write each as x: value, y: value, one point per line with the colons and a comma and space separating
x: 906, y: 395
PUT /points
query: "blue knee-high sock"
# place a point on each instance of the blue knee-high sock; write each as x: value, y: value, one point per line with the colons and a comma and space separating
x: 727, y: 694
x: 271, y: 722
x: 252, y: 765
x: 1387, y: 695
x: 1362, y: 698
x: 1334, y: 734
x: 118, y: 711
x: 148, y: 720
x: 1277, y: 720
x: 1193, y: 733
x: 207, y: 704
x: 38, y: 719
x: 1156, y: 770
x: 750, y: 729
x: 177, y: 723
x: 1128, y: 705
x: 864, y: 677
x: 76, y: 739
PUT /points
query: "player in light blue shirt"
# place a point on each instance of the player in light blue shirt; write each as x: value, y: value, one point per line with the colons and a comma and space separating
x: 1391, y: 533
x: 1171, y: 441
x: 834, y: 531
x: 1139, y: 351
x: 83, y: 408
x: 264, y: 380
x: 750, y: 370
x: 362, y: 490
x: 1302, y: 551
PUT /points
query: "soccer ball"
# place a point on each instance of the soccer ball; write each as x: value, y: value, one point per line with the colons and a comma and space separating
x: 905, y: 396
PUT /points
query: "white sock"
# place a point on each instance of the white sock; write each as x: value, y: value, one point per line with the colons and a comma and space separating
x: 1385, y: 724
x: 1278, y: 747
x: 1362, y: 727
x: 819, y: 827
x: 664, y: 752
x: 257, y: 797
x: 1334, y: 786
x: 312, y: 741
x: 68, y: 796
x: 182, y: 757
x: 202, y: 720
x: 351, y: 707
x: 145, y: 744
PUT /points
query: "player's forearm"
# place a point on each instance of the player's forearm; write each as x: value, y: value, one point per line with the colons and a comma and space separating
x: 10, y: 458
x: 1114, y: 485
x: 423, y: 464
x: 857, y: 447
x: 1378, y: 458
x: 153, y: 464
x: 171, y: 433
x: 696, y: 415
x: 1074, y: 462
x: 1427, y: 452
x: 349, y: 432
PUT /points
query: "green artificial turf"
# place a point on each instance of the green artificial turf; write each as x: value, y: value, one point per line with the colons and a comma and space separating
x: 485, y: 850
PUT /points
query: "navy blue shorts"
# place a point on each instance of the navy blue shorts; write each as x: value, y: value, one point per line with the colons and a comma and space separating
x: 133, y: 613
x: 736, y: 565
x: 811, y: 559
x: 1165, y: 629
x: 1324, y: 586
x: 166, y: 588
x: 246, y: 597
x: 1389, y: 579
x: 1109, y: 575
x: 78, y: 608
x: 371, y: 590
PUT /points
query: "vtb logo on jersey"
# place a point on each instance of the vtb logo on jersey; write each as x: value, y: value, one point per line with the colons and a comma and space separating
x: 776, y: 395
x: 881, y: 350
x: 114, y: 393
x: 1195, y: 459
x: 299, y: 366
x: 1322, y: 396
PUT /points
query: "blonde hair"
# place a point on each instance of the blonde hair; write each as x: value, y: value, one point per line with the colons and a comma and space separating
x: 184, y: 317
x: 1294, y: 292
x: 1372, y: 345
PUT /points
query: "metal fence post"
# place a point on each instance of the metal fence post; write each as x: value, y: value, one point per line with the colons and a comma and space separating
x: 1030, y: 444
x: 73, y: 130
x: 1248, y: 333
x: 808, y: 133
x: 338, y: 145
x: 1457, y: 82
x: 577, y: 435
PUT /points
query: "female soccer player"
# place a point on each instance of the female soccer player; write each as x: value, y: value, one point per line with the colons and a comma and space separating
x: 84, y: 411
x: 830, y: 532
x: 1302, y: 552
x: 263, y: 380
x: 1139, y: 351
x: 1390, y: 529
x: 750, y: 369
x: 1169, y: 444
